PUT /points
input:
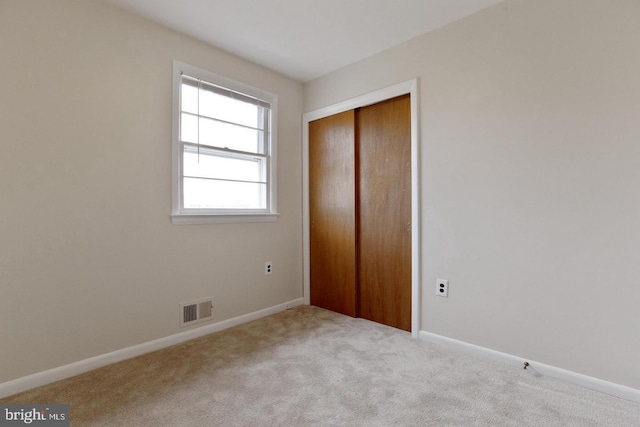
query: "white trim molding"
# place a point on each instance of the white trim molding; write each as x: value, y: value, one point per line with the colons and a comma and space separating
x: 408, y: 87
x: 46, y: 377
x: 222, y: 219
x: 564, y: 375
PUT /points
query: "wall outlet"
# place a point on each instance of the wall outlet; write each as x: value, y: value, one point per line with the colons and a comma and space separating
x: 442, y: 288
x: 268, y: 268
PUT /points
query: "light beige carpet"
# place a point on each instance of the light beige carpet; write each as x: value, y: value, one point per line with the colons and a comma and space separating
x: 312, y: 367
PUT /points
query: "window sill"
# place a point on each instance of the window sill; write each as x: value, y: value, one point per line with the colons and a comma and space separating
x: 185, y: 219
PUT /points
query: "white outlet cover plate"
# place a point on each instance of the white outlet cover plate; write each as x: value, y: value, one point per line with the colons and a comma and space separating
x: 442, y: 288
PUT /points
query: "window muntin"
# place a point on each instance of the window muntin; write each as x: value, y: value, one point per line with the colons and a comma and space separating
x: 225, y: 145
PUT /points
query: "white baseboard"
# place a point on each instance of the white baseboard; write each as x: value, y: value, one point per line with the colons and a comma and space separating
x: 46, y: 377
x: 592, y: 383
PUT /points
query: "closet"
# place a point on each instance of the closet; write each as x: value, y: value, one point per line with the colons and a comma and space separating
x: 360, y: 212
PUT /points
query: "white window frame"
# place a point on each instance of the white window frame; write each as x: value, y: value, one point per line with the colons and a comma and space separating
x: 180, y: 215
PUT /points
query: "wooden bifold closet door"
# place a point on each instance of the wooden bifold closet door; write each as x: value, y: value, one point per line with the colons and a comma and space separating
x: 360, y: 212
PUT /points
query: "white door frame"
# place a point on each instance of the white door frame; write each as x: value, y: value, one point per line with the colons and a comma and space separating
x: 409, y: 87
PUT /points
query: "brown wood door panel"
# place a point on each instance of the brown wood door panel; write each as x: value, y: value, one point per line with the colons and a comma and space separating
x: 384, y: 211
x: 332, y: 213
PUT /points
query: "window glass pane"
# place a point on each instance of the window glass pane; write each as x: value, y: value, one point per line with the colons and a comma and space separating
x: 207, y: 165
x: 224, y: 135
x: 189, y: 128
x: 211, y: 194
x: 190, y: 99
x: 228, y: 109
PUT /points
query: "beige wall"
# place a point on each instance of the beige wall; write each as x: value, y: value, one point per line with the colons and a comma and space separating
x: 89, y: 261
x: 530, y: 139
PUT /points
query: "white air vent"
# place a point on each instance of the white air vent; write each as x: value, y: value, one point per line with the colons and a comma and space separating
x: 195, y: 312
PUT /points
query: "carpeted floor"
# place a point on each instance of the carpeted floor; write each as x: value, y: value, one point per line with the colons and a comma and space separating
x: 312, y: 367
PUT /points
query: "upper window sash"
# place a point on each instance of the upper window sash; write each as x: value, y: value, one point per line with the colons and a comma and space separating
x: 233, y: 121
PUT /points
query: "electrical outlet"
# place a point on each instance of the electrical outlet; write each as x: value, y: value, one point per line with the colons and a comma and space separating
x: 268, y: 268
x: 442, y: 288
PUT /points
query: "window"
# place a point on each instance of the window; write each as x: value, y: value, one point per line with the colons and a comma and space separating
x: 223, y: 149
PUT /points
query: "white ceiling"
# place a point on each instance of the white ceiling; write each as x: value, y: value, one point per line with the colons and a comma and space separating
x: 304, y: 39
